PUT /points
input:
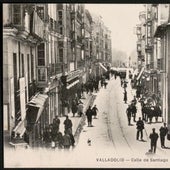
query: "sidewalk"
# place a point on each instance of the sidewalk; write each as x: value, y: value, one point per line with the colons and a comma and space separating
x: 76, y: 121
x: 148, y: 126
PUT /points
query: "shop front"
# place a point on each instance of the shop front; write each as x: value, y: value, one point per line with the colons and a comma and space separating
x: 71, y: 90
x: 37, y: 118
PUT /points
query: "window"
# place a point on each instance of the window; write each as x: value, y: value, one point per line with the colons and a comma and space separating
x: 149, y: 15
x: 138, y: 30
x: 32, y: 66
x: 22, y: 66
x: 60, y: 55
x: 28, y: 67
x: 149, y: 31
x: 55, y: 25
x: 51, y: 23
x: 61, y: 30
x: 60, y: 44
x: 41, y: 74
x: 60, y: 22
x: 41, y: 56
x: 60, y: 15
x: 17, y: 14
x: 40, y: 12
x: 15, y: 71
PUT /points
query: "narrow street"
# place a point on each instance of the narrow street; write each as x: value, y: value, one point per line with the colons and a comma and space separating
x: 113, y: 142
x: 111, y: 137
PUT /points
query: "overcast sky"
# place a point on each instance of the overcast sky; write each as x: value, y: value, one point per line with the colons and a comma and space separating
x: 121, y: 20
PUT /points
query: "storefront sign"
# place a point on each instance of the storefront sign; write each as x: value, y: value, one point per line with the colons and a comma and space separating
x: 73, y: 75
x: 72, y: 84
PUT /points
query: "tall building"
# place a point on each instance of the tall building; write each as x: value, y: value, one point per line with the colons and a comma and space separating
x: 155, y: 68
x: 162, y: 32
x: 23, y: 30
x: 49, y: 52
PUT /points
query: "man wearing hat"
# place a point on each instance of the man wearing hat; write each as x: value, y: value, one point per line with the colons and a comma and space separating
x: 163, y: 132
x: 129, y: 114
x: 154, y: 137
x: 140, y: 127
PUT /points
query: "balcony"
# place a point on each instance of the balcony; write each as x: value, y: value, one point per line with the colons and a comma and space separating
x: 139, y: 48
x: 79, y: 39
x: 72, y: 15
x: 81, y: 64
x: 142, y: 16
x: 54, y: 69
x: 148, y: 47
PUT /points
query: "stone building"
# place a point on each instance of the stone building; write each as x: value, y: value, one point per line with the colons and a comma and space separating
x: 49, y: 51
x: 155, y: 68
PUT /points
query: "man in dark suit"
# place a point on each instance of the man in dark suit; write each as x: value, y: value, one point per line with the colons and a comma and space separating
x: 140, y: 127
x: 154, y: 137
x: 163, y: 132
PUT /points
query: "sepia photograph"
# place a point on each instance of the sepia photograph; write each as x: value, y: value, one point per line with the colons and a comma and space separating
x: 86, y: 85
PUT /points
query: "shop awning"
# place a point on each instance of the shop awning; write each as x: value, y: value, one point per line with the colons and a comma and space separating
x: 72, y: 84
x: 36, y: 107
x: 161, y: 29
x: 140, y: 74
x: 102, y: 66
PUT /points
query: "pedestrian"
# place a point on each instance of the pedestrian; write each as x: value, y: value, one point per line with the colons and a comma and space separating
x: 74, y: 107
x: 80, y: 109
x: 115, y: 75
x: 89, y: 114
x: 101, y: 82
x: 121, y: 81
x: 143, y: 110
x: 154, y: 137
x: 71, y: 137
x: 125, y: 85
x: 66, y: 140
x: 91, y: 88
x: 68, y: 124
x: 105, y: 84
x: 125, y: 96
x: 138, y: 93
x: 129, y: 114
x: 56, y: 124
x: 59, y: 140
x: 96, y: 86
x: 87, y: 88
x: 163, y: 132
x: 134, y: 111
x: 140, y: 127
x: 134, y: 100
x: 47, y: 137
x: 95, y: 110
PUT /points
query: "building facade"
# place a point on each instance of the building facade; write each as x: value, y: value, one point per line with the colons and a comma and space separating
x: 49, y: 51
x: 156, y: 65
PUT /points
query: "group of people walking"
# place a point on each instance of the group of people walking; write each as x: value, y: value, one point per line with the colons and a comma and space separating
x: 54, y: 138
x: 91, y: 86
x: 163, y: 131
x: 131, y: 112
x: 90, y: 113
